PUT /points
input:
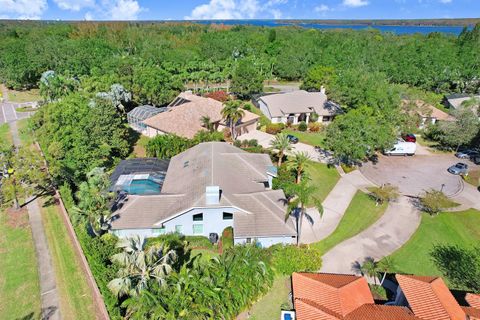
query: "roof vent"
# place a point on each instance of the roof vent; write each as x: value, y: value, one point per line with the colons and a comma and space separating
x: 213, y: 195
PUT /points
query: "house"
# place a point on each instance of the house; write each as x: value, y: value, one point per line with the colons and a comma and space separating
x: 428, y: 114
x: 138, y: 114
x: 348, y: 297
x: 206, y: 189
x: 455, y: 100
x: 183, y: 117
x: 297, y: 106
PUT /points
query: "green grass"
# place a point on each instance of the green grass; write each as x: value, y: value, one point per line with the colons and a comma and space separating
x: 460, y: 228
x: 140, y: 147
x: 26, y: 136
x: 269, y: 306
x: 473, y: 178
x: 5, y: 135
x: 19, y: 283
x: 24, y: 96
x: 360, y: 214
x: 76, y: 301
x: 311, y: 138
x: 323, y: 177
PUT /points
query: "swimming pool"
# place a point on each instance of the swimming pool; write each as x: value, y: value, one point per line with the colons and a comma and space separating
x: 143, y: 186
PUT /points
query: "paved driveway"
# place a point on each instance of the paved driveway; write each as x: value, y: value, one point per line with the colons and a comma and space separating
x: 264, y: 139
x: 415, y: 174
x: 9, y: 114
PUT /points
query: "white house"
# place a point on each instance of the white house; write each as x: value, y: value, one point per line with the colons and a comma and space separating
x: 207, y: 188
x: 297, y: 106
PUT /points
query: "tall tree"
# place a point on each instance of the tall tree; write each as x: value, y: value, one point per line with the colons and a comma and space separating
x: 247, y: 79
x: 232, y: 114
x: 282, y: 144
x: 298, y: 162
x: 317, y: 77
x: 461, y: 131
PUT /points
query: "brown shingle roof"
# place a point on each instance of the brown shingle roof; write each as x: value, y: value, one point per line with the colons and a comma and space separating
x: 240, y: 176
x: 185, y: 119
x: 430, y: 298
x: 339, y: 294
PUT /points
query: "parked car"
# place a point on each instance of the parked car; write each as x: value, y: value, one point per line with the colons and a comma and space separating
x: 476, y: 159
x: 292, y: 138
x: 459, y: 169
x: 402, y: 149
x: 409, y: 137
x: 466, y: 154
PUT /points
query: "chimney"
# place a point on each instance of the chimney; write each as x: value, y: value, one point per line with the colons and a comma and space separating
x: 212, y: 195
x: 322, y: 89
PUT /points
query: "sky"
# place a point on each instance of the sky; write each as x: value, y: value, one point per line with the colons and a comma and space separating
x: 236, y: 9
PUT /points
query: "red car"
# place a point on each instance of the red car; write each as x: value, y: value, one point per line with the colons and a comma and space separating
x: 409, y: 137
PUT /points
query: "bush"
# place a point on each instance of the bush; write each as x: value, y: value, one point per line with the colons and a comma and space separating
x: 435, y: 201
x: 227, y: 238
x: 287, y: 259
x: 198, y: 242
x: 67, y: 196
x: 315, y: 127
x: 221, y: 95
x: 302, y: 126
x: 166, y: 146
x: 385, y: 193
x: 247, y: 106
x: 274, y: 128
x: 313, y: 117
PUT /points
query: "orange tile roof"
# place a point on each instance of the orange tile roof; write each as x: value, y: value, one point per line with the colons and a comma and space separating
x: 473, y: 300
x: 309, y: 310
x: 381, y: 312
x: 339, y: 294
x: 472, y: 313
x: 430, y: 298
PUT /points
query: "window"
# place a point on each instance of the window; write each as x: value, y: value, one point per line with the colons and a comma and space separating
x: 227, y: 216
x: 198, y: 217
x: 198, y: 229
x: 249, y: 240
x: 178, y: 228
x: 158, y: 231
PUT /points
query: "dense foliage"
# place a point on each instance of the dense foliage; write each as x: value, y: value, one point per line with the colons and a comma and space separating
x: 289, y: 259
x: 166, y: 146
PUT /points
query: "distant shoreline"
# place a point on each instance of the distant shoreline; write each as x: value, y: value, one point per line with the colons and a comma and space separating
x: 388, y: 22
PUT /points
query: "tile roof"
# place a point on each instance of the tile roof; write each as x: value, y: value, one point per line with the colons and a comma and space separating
x: 240, y: 176
x: 339, y: 294
x: 473, y: 313
x: 430, y: 298
x: 299, y: 101
x: 185, y: 119
x: 381, y: 312
x: 473, y: 300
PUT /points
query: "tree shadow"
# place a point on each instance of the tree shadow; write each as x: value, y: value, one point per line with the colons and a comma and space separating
x: 132, y: 138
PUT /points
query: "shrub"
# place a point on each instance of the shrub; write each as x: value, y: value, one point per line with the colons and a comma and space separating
x: 67, y: 196
x: 247, y: 106
x: 237, y: 143
x: 198, y: 242
x: 434, y: 201
x: 274, y: 128
x: 221, y: 95
x: 227, y: 238
x: 302, y: 126
x: 385, y: 193
x: 167, y: 145
x: 287, y: 259
x: 313, y: 117
x: 315, y: 127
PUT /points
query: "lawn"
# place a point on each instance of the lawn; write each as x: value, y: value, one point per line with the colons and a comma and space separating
x: 360, y: 214
x: 19, y: 283
x: 473, y: 177
x: 76, y: 301
x: 460, y: 228
x: 269, y: 306
x: 24, y: 96
x: 26, y: 136
x: 311, y: 138
x: 140, y: 147
x: 323, y: 177
x: 5, y: 134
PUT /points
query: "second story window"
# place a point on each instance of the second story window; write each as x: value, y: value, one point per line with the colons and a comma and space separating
x: 198, y: 217
x: 227, y: 216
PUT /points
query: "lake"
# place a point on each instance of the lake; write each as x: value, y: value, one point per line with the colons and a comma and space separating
x: 394, y: 29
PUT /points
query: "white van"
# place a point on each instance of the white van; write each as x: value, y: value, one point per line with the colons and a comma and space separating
x: 402, y: 149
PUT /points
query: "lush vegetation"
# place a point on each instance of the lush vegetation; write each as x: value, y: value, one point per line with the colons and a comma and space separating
x: 360, y: 214
x: 270, y: 305
x: 19, y: 282
x: 289, y: 259
x: 458, y: 228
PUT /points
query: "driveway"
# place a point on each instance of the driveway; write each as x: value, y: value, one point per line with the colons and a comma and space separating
x: 414, y: 175
x: 264, y: 139
x: 9, y: 114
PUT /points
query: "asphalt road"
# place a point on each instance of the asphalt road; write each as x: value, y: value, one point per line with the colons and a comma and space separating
x: 9, y: 114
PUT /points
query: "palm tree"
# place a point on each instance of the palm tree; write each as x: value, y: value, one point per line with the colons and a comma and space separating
x: 232, y: 114
x: 282, y: 144
x: 207, y: 123
x: 303, y: 193
x: 298, y: 163
x: 370, y: 268
x: 140, y: 266
x: 385, y: 265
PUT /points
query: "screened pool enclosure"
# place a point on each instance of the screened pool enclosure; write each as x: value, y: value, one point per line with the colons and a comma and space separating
x: 139, y: 114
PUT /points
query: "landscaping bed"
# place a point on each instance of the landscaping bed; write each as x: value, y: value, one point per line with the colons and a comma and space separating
x: 460, y: 228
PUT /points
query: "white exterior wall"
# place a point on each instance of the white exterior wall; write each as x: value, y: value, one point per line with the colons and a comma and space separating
x: 152, y: 132
x: 266, y: 242
x: 264, y: 109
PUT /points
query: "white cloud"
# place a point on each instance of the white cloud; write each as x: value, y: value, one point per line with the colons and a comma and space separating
x: 322, y: 8
x: 446, y: 1
x: 124, y: 10
x: 23, y: 9
x: 355, y: 3
x: 235, y: 9
x: 74, y: 5
x: 89, y: 16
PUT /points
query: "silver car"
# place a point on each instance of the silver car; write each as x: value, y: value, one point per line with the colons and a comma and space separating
x: 459, y: 169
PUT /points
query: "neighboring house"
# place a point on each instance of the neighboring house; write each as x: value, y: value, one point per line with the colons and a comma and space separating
x: 428, y: 114
x: 455, y: 100
x: 183, y: 117
x: 206, y: 189
x: 138, y: 114
x: 297, y: 106
x: 348, y: 297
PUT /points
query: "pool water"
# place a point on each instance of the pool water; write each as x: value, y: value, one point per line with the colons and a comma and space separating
x: 145, y: 186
